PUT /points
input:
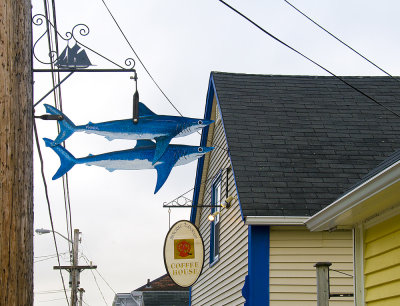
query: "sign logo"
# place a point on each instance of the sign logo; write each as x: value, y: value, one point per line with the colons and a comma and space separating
x: 184, y: 248
x: 184, y: 253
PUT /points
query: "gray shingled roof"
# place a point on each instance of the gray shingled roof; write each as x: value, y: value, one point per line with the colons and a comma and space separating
x: 298, y: 142
x: 391, y: 160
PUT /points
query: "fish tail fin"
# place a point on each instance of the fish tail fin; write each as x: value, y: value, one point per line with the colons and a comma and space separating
x: 67, y: 159
x: 67, y: 127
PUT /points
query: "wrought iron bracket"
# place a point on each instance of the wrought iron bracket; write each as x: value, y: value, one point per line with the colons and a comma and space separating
x: 86, y: 70
x: 75, y: 59
x: 72, y: 59
x: 168, y: 205
x: 184, y: 202
x: 50, y: 117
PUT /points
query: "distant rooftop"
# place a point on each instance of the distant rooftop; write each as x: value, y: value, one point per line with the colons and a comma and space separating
x: 159, y: 292
x: 163, y: 283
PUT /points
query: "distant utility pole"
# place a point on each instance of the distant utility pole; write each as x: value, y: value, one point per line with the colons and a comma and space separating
x: 75, y: 269
x: 16, y: 154
x: 81, y: 291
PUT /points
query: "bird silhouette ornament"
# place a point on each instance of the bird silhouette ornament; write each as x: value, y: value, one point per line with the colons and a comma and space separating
x: 159, y: 155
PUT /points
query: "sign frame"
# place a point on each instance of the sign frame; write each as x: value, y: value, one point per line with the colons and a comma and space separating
x: 164, y: 254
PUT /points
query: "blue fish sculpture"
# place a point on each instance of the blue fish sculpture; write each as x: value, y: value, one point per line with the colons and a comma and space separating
x: 140, y: 157
x: 150, y: 126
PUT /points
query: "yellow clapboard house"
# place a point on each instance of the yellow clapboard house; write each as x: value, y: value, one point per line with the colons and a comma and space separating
x: 372, y: 210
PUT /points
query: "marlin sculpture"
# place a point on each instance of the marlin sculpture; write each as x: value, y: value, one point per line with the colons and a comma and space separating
x: 161, y: 128
x: 140, y: 157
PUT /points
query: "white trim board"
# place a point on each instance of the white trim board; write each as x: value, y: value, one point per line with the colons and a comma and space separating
x: 280, y: 220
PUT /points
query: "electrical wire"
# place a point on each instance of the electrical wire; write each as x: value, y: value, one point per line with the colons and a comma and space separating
x: 95, y: 279
x: 56, y: 82
x: 50, y: 255
x: 87, y: 261
x: 309, y: 59
x: 51, y: 291
x: 49, y: 300
x: 67, y: 199
x: 48, y: 203
x: 85, y: 302
x: 349, y: 275
x: 44, y: 259
x: 109, y: 286
x: 342, y: 42
x: 98, y: 287
x: 140, y: 61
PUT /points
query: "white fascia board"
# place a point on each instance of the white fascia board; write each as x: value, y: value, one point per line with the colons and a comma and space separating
x: 280, y: 220
x: 325, y: 219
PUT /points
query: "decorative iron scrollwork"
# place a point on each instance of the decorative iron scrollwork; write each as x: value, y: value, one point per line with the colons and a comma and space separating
x: 76, y: 56
x: 183, y: 201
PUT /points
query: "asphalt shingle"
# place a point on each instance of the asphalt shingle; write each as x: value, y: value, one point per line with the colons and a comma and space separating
x: 298, y: 142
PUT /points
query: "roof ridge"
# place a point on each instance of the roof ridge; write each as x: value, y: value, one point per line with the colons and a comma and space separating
x: 301, y: 75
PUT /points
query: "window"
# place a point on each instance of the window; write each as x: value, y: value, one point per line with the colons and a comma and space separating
x: 215, y: 225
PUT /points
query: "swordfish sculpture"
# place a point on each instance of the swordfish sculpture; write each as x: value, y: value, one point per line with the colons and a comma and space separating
x: 161, y: 128
x: 140, y: 157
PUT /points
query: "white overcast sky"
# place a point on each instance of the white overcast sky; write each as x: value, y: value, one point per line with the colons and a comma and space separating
x: 123, y: 223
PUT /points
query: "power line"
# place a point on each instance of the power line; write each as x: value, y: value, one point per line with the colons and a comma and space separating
x: 147, y: 71
x: 49, y: 257
x: 50, y: 291
x: 49, y: 300
x: 48, y: 203
x: 309, y: 59
x: 98, y: 287
x: 349, y: 275
x: 87, y: 261
x: 58, y: 102
x: 67, y: 200
x: 341, y: 41
x: 137, y: 56
x: 95, y: 279
x: 85, y: 302
x: 109, y: 286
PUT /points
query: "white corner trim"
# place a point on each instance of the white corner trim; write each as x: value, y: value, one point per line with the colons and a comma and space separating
x: 325, y: 218
x: 280, y: 220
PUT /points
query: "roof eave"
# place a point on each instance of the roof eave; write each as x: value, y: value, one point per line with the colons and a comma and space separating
x: 361, y: 202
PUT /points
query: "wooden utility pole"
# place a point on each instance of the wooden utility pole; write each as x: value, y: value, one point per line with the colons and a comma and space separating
x: 81, y: 291
x: 75, y: 272
x: 75, y: 269
x: 16, y: 159
x: 322, y: 283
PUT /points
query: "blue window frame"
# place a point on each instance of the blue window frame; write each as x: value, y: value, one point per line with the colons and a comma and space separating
x: 215, y: 225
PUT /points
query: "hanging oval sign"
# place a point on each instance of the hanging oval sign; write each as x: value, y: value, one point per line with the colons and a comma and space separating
x: 184, y: 253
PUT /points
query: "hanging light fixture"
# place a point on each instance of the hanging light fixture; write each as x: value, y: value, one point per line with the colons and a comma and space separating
x: 226, y: 204
x: 212, y: 216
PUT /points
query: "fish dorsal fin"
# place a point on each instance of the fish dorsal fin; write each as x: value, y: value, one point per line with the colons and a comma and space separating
x: 144, y: 143
x: 161, y: 145
x: 144, y: 110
